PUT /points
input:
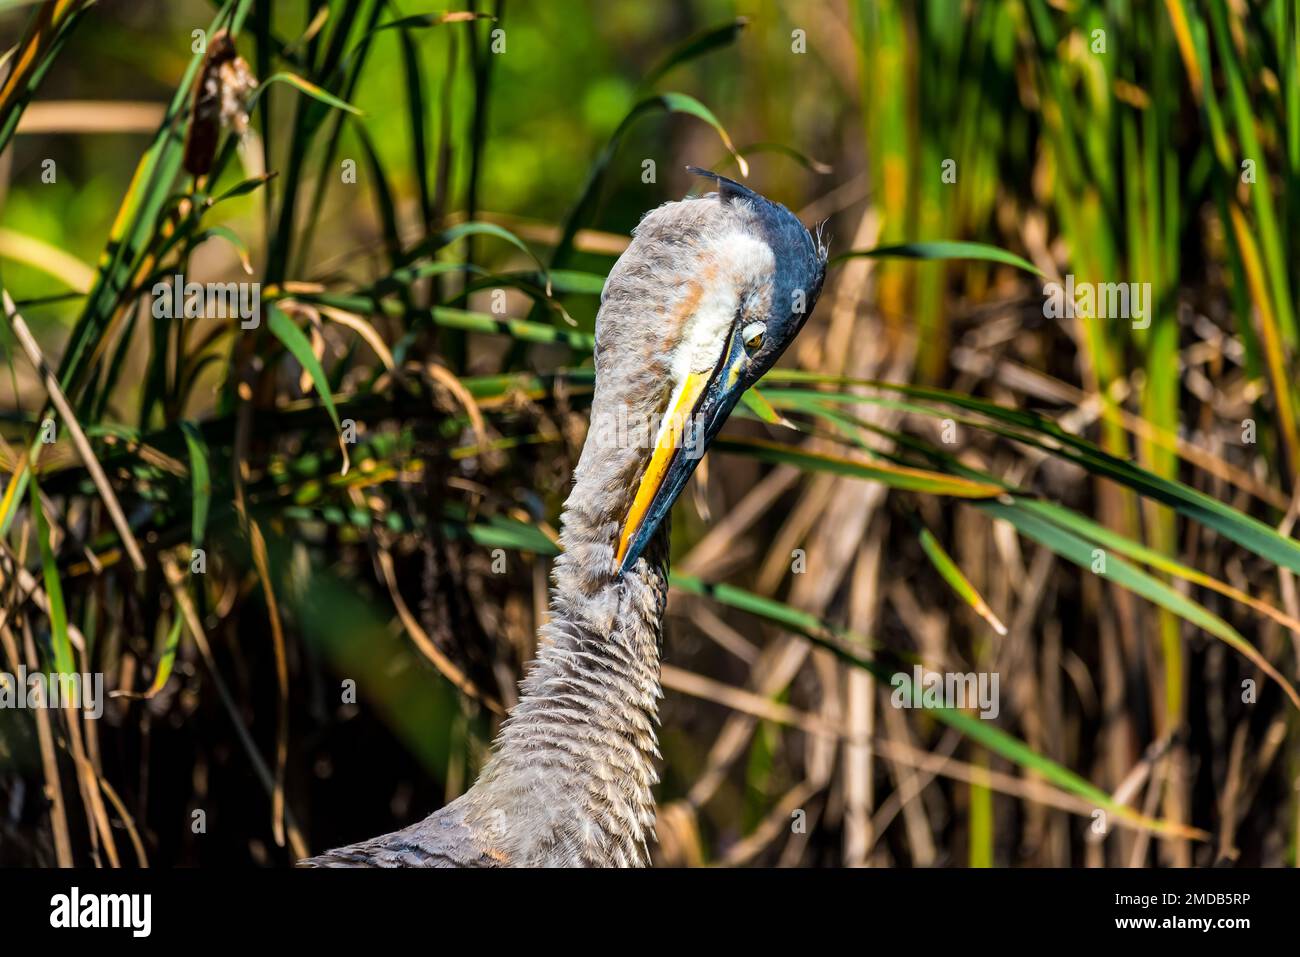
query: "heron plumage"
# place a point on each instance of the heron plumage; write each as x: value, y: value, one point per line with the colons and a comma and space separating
x: 570, y: 779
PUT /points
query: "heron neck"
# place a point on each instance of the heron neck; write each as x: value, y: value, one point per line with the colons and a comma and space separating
x: 571, y: 776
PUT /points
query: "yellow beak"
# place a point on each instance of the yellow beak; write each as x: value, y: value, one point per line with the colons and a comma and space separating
x: 667, y: 446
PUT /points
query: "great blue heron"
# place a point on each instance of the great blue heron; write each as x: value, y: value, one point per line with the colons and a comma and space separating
x: 703, y: 302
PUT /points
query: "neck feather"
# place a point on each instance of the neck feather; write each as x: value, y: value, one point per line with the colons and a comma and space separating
x: 571, y: 775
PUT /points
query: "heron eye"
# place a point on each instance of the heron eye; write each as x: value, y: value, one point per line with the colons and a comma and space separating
x: 752, y: 336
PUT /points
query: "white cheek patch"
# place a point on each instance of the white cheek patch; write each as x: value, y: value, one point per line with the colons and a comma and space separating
x: 742, y: 262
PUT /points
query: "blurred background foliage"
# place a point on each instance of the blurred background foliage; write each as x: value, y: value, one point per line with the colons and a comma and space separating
x: 946, y: 458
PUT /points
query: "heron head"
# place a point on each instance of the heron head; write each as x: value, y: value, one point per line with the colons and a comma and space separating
x: 708, y: 296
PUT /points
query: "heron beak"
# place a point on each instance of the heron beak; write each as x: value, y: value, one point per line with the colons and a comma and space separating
x: 695, y: 415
